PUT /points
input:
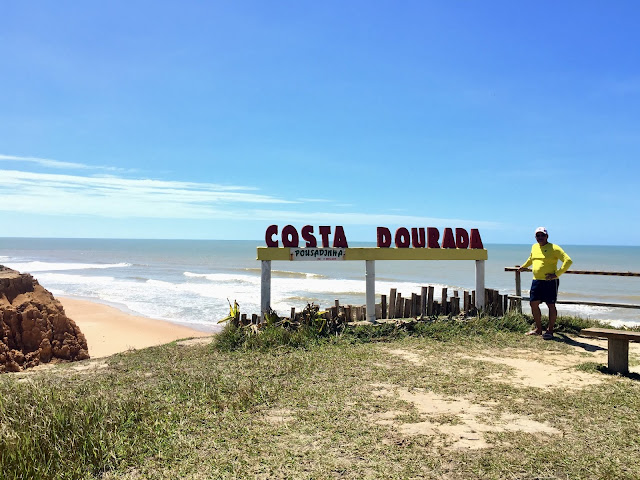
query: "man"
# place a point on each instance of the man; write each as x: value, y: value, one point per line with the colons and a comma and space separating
x: 544, y: 287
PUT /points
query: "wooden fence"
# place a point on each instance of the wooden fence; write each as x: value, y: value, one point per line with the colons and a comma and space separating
x: 420, y: 305
x: 516, y: 300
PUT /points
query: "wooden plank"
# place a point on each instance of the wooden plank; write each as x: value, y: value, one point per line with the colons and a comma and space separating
x: 584, y: 272
x: 466, y: 301
x: 423, y: 302
x: 399, y: 306
x: 407, y: 308
x: 611, y: 333
x: 577, y: 302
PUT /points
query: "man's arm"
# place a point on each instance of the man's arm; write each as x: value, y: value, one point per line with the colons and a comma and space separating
x: 526, y: 264
x: 566, y: 262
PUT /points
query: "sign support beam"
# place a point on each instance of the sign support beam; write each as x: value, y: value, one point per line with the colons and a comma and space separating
x: 370, y: 280
x: 265, y: 289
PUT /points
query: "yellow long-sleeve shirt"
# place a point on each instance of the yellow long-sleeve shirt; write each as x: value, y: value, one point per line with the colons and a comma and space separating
x: 545, y: 260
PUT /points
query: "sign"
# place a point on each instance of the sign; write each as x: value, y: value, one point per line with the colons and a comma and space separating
x: 404, y: 238
x: 315, y: 254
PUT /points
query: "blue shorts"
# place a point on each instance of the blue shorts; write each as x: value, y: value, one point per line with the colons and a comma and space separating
x: 544, y: 291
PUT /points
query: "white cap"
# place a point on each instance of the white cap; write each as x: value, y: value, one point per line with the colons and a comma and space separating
x: 541, y: 230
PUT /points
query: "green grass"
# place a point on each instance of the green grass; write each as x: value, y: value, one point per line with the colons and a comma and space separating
x: 300, y: 405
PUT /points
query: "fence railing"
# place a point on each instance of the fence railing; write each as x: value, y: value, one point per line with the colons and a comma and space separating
x: 517, y: 298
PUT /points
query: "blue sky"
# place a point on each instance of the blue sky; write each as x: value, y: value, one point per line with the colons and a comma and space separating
x: 194, y: 119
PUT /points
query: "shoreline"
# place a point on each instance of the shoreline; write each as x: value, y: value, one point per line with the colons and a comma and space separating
x: 109, y: 331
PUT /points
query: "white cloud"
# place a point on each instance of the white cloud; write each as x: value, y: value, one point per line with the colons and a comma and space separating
x: 348, y: 218
x: 110, y: 196
x: 116, y: 197
x: 46, y: 162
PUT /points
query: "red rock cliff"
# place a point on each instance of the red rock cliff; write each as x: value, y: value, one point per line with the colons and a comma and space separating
x: 33, y: 326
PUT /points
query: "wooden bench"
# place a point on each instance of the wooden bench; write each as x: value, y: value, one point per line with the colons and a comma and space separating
x: 618, y: 345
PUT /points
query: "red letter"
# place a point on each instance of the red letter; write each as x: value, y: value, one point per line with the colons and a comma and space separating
x: 324, y: 233
x: 339, y: 239
x: 268, y: 237
x: 308, y: 236
x: 402, y: 238
x: 287, y: 231
x: 432, y: 237
x: 384, y: 237
x: 417, y: 237
x: 462, y: 238
x: 476, y: 241
x: 447, y: 239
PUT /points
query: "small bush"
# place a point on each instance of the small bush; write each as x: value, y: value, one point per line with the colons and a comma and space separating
x: 247, y: 338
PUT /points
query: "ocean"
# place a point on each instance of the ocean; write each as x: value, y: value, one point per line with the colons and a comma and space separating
x: 190, y: 282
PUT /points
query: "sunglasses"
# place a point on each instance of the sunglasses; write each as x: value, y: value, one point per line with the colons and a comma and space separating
x: 540, y: 235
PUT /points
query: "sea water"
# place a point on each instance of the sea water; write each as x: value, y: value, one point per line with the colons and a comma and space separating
x: 191, y: 282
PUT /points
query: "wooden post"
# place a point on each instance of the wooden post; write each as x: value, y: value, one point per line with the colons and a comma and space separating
x: 265, y: 288
x: 293, y: 313
x: 518, y: 292
x: 407, y: 308
x: 392, y: 303
x: 430, y: 300
x: 383, y: 306
x: 455, y: 303
x: 423, y: 302
x: 444, y: 302
x: 618, y: 355
x: 414, y: 305
x: 399, y: 306
x: 466, y: 301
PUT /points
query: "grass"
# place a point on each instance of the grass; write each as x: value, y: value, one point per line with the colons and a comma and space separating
x: 302, y: 405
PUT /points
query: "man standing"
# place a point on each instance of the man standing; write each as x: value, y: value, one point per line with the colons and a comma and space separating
x: 544, y: 287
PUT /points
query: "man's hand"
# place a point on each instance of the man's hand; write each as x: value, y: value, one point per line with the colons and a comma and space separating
x: 551, y: 276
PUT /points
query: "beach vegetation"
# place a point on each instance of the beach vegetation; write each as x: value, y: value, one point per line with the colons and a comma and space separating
x: 306, y: 403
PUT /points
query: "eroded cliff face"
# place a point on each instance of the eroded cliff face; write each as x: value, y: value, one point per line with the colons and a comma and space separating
x: 33, y: 326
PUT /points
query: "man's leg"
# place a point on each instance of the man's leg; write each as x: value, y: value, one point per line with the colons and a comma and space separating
x: 537, y: 316
x: 553, y: 314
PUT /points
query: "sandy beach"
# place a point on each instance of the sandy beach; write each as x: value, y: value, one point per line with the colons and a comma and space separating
x: 109, y: 330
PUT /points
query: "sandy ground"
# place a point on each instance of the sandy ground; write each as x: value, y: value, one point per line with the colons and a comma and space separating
x: 109, y: 330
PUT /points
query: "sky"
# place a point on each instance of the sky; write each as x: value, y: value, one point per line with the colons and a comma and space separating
x: 216, y: 119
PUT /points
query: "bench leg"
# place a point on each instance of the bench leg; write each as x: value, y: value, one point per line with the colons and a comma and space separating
x: 618, y: 355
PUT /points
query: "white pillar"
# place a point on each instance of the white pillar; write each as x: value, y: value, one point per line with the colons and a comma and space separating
x: 480, y: 284
x: 265, y: 288
x: 370, y: 278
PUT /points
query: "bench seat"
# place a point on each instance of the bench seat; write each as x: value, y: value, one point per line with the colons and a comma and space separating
x: 618, y: 346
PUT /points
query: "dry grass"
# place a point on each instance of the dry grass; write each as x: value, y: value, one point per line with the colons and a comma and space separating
x: 468, y: 407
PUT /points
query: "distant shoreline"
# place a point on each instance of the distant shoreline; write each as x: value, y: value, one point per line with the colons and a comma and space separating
x: 110, y: 331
